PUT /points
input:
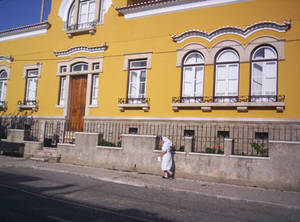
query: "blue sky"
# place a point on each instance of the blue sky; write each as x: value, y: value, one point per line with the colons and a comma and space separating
x: 17, y: 13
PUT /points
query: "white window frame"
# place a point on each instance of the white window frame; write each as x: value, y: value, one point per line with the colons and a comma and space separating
x: 134, y: 94
x: 31, y: 86
x: 229, y: 79
x: 265, y: 94
x: 3, y: 87
x: 94, y: 90
x: 196, y: 82
x: 62, y: 91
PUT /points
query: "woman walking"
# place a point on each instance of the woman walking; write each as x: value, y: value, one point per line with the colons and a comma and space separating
x: 166, y: 157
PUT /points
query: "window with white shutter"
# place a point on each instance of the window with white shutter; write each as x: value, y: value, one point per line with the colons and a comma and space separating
x: 31, y: 87
x: 264, y: 74
x: 226, y: 76
x: 192, y: 78
x: 62, y: 93
x: 137, y: 81
x: 95, y: 84
x: 3, y: 86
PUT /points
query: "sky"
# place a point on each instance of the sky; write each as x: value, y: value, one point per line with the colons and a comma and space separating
x: 18, y: 13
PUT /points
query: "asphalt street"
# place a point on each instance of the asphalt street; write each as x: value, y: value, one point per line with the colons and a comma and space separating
x: 32, y: 194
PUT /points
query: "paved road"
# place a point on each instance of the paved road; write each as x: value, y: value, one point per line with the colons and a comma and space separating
x: 34, y: 195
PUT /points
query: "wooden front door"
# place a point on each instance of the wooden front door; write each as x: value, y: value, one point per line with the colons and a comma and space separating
x: 77, y: 104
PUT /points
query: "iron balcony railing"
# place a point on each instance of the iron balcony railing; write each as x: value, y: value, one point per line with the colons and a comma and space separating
x: 27, y: 102
x: 133, y: 100
x: 228, y: 99
x: 80, y: 26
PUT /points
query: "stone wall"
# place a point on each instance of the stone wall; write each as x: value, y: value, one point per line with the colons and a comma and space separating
x: 280, y: 170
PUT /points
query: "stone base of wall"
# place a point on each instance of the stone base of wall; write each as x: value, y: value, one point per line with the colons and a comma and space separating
x: 280, y: 170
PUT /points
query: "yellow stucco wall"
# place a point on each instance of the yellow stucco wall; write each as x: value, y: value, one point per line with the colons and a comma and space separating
x: 152, y: 34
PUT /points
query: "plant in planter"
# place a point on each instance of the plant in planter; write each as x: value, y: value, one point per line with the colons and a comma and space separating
x: 259, y: 148
x: 181, y: 148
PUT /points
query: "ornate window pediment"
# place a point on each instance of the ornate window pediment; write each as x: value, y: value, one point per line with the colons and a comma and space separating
x: 82, y: 16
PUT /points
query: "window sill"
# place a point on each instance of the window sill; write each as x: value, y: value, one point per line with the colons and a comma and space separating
x: 93, y: 106
x: 90, y: 30
x: 240, y: 106
x: 143, y: 106
x: 28, y: 107
x: 60, y: 106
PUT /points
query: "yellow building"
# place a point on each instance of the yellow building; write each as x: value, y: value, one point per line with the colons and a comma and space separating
x: 163, y: 67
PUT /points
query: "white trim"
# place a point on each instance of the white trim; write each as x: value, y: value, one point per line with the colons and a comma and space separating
x: 6, y: 58
x: 171, y: 7
x: 23, y: 35
x: 279, y: 120
x: 137, y: 135
x: 249, y: 157
x: 244, y: 33
x: 288, y: 142
x: 66, y: 4
x: 109, y: 148
x: 79, y: 49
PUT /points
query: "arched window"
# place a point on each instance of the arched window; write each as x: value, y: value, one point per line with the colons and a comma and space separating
x: 192, y: 77
x: 86, y: 14
x: 264, y: 74
x: 3, y: 84
x: 226, y: 76
x: 81, y: 66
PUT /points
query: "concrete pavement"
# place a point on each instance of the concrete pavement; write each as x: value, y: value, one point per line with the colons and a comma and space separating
x: 218, y: 190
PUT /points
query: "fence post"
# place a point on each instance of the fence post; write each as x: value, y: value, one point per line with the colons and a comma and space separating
x: 228, y: 147
x: 188, y: 144
x: 43, y: 128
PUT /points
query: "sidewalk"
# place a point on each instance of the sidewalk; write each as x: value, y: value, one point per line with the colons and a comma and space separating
x: 217, y: 190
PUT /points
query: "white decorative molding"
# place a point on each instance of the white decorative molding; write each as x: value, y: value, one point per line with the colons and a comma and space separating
x: 6, y: 68
x: 6, y: 58
x: 79, y: 49
x: 197, y: 119
x: 143, y: 106
x: 140, y: 55
x: 157, y: 7
x: 66, y: 4
x: 24, y: 32
x: 240, y: 106
x: 232, y: 30
x: 37, y: 66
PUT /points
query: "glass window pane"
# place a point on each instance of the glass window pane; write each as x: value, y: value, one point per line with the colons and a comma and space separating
x: 3, y: 75
x: 265, y: 53
x: 194, y: 58
x: 228, y: 56
x: 138, y: 64
x: 32, y: 73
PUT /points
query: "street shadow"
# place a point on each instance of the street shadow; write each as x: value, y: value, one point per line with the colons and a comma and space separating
x: 15, y: 184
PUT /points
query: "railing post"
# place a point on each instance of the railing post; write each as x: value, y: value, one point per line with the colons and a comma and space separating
x: 42, y: 131
x: 228, y: 147
x: 188, y: 144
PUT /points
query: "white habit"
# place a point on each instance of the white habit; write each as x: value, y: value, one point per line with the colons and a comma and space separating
x: 166, y: 163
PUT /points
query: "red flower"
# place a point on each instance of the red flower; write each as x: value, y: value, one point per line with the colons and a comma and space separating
x: 213, y: 147
x: 218, y: 147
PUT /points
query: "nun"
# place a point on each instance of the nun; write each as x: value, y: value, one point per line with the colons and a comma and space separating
x: 166, y: 156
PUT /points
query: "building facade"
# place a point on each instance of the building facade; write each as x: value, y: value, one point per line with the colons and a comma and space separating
x: 209, y: 69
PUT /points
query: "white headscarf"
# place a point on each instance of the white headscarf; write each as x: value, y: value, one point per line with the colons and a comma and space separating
x: 167, y: 142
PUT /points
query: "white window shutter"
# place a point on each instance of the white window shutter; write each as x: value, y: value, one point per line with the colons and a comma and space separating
x: 269, y: 86
x: 257, y: 76
x: 199, y: 81
x: 233, y: 72
x: 221, y: 80
x: 188, y: 82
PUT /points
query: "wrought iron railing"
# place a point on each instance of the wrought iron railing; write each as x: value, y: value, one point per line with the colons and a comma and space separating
x: 28, y: 102
x: 133, y: 100
x: 228, y: 99
x: 80, y: 26
x: 3, y: 105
